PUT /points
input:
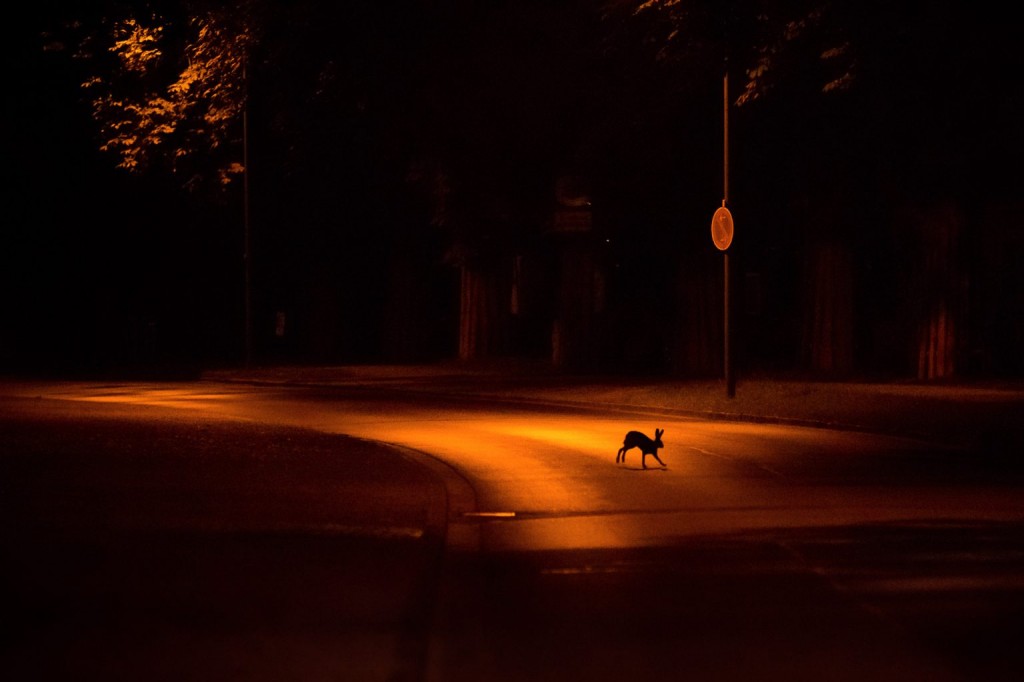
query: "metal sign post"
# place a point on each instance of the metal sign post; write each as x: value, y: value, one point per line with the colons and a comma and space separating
x: 721, y: 233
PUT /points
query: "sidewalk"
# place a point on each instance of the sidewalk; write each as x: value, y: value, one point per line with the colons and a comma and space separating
x: 987, y: 417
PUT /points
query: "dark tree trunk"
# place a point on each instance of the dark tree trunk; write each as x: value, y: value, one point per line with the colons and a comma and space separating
x: 699, y: 343
x: 828, y: 312
x: 480, y: 314
x: 580, y: 296
x: 936, y: 290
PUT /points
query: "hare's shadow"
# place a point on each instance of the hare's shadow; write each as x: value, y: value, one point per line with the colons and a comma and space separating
x: 659, y: 468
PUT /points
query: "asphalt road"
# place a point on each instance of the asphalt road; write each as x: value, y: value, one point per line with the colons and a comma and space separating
x: 149, y: 544
x: 203, y: 530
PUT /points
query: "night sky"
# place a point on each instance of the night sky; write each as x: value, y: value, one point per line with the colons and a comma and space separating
x: 390, y: 140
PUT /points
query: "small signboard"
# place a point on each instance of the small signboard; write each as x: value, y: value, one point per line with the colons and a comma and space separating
x: 721, y: 228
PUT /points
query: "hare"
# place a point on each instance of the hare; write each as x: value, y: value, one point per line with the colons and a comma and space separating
x: 635, y: 439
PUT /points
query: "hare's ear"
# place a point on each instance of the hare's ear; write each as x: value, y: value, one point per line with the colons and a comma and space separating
x: 658, y: 432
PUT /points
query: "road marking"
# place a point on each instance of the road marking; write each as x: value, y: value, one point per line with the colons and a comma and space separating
x: 489, y: 515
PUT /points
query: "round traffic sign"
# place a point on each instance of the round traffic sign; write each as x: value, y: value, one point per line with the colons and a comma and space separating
x: 721, y: 228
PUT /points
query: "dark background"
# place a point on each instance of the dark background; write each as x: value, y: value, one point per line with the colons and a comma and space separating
x: 355, y: 106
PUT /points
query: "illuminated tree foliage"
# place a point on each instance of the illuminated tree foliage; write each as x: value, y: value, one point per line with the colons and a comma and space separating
x: 773, y: 40
x: 169, y: 90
